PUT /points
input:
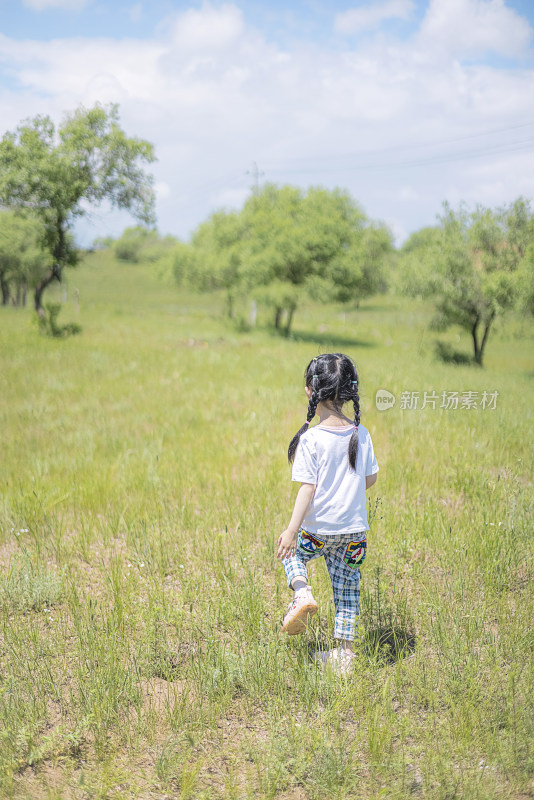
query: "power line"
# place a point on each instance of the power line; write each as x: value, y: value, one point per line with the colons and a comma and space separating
x: 361, y: 163
x: 444, y: 158
x: 412, y: 146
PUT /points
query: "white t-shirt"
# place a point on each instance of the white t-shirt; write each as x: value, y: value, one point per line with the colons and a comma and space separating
x: 339, y: 503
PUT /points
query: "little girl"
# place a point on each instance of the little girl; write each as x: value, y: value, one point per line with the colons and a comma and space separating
x: 335, y: 463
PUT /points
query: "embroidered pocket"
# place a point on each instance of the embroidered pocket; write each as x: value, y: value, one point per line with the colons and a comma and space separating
x: 308, y: 542
x: 355, y: 553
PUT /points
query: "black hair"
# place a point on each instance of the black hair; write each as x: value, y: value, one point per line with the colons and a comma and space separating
x: 333, y: 377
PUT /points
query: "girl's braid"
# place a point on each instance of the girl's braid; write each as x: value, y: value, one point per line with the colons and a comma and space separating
x: 356, y: 404
x: 312, y: 408
x: 353, y: 444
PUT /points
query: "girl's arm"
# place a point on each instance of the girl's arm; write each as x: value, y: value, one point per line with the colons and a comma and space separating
x: 287, y: 542
x: 370, y: 479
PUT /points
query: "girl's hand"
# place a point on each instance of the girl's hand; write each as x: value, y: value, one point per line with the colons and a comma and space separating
x: 287, y: 544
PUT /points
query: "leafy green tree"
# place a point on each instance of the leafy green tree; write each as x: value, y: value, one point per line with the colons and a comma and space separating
x: 220, y: 245
x: 482, y: 253
x: 21, y: 255
x: 140, y: 244
x: 375, y: 253
x: 133, y: 242
x: 526, y: 280
x: 185, y: 266
x: 285, y: 243
x: 59, y: 173
x: 416, y: 274
x: 475, y: 265
x: 519, y: 221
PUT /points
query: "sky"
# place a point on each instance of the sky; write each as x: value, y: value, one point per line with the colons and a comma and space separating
x: 404, y: 103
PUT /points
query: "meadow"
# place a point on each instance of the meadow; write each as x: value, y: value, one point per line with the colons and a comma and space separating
x: 144, y: 483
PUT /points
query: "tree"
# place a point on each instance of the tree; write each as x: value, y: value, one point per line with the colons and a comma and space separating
x: 480, y: 267
x: 21, y: 255
x: 473, y: 265
x: 58, y: 174
x: 416, y: 273
x: 526, y: 280
x: 142, y: 244
x: 220, y: 244
x: 375, y: 252
x: 285, y: 243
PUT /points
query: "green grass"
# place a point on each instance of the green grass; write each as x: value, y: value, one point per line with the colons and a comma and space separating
x: 144, y: 483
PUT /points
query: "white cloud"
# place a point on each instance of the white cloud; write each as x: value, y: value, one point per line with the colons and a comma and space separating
x: 84, y: 68
x: 208, y: 29
x: 371, y: 16
x: 66, y: 5
x: 214, y: 95
x: 475, y: 27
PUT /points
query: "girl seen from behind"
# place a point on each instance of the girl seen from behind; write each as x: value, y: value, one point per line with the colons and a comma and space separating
x: 335, y: 463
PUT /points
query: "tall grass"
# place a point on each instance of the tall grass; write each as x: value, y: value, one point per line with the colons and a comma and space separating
x: 144, y: 483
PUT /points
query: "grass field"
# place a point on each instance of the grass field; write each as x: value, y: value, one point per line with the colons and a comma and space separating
x: 144, y: 483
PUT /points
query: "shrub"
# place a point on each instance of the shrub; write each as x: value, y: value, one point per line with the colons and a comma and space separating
x: 48, y: 323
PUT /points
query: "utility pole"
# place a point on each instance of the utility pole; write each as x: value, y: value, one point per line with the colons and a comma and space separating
x: 256, y: 174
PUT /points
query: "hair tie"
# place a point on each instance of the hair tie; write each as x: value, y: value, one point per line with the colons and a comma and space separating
x: 307, y: 422
x: 354, y: 381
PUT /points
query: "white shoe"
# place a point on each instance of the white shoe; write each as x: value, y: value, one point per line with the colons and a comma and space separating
x: 301, y: 609
x: 339, y: 659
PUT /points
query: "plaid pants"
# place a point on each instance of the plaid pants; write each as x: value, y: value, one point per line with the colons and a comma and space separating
x: 343, y: 554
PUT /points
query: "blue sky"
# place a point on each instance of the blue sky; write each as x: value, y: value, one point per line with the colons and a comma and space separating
x: 280, y: 21
x: 402, y: 102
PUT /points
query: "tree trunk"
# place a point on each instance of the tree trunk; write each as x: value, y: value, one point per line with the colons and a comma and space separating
x: 289, y: 322
x: 278, y: 317
x: 485, y: 338
x: 5, y: 291
x: 230, y: 304
x: 53, y: 275
x: 59, y: 255
x: 24, y: 294
x: 474, y: 333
